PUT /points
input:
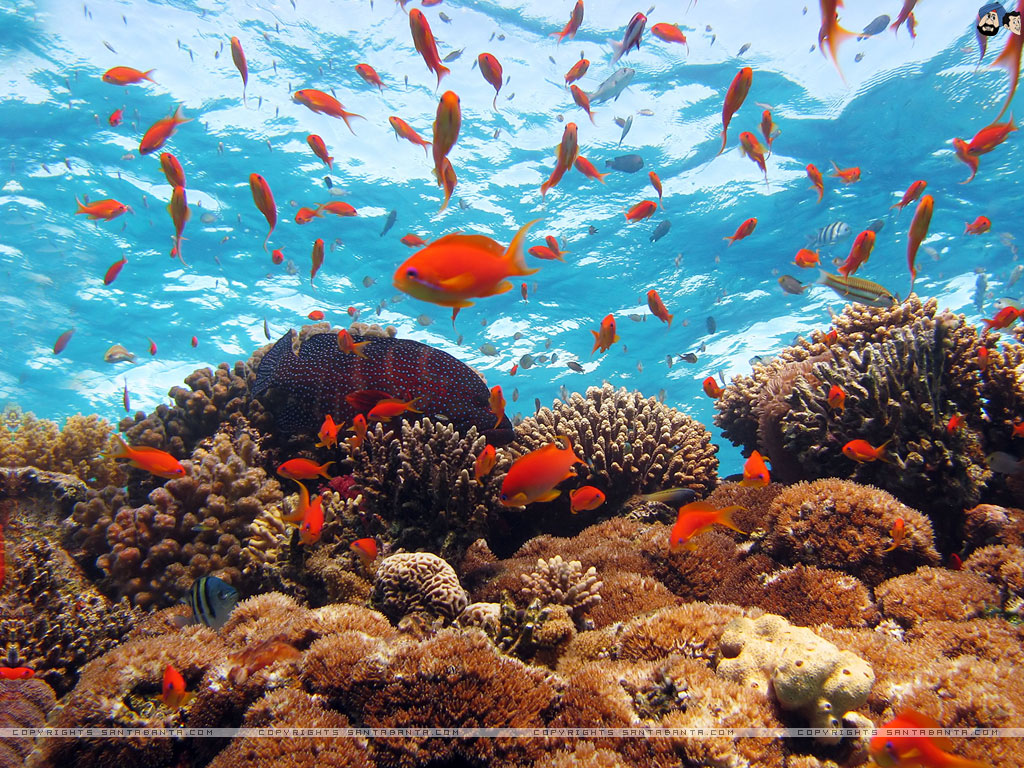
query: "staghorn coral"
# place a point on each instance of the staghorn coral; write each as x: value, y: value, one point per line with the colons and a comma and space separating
x: 153, y: 553
x: 633, y: 444
x: 557, y: 582
x: 81, y: 448
x: 935, y: 594
x: 419, y: 477
x: 803, y: 671
x: 905, y: 371
x: 840, y: 525
x: 418, y: 582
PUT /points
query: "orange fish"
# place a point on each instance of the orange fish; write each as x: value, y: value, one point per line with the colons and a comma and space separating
x: 152, y: 346
x: 161, y: 131
x: 1004, y: 319
x: 303, y: 469
x: 238, y: 57
x: 172, y: 169
x: 306, y: 215
x: 642, y: 210
x: 955, y: 422
x: 918, y: 232
x: 742, y: 231
x: 320, y: 149
x: 670, y: 33
x: 696, y: 518
x: 604, y: 338
x: 859, y: 253
x: 983, y: 359
x: 180, y: 214
x: 102, y: 209
x: 116, y: 117
x: 423, y: 40
x: 752, y: 148
x: 114, y: 270
x: 831, y: 31
x: 264, y: 199
x: 1009, y: 59
x: 329, y: 433
x: 578, y: 70
x: 990, y: 137
x: 312, y: 522
x: 366, y: 550
x: 1018, y: 427
x: 657, y: 307
x: 153, y: 460
x: 338, y: 208
x: 490, y: 68
x: 913, y: 192
x: 582, y: 100
x: 316, y: 315
x: 277, y: 256
x: 846, y: 175
x: 861, y: 451
x: 523, y: 291
x: 389, y: 407
x: 413, y: 241
x: 127, y: 76
x: 892, y: 748
x: 359, y: 427
x: 573, y: 24
x: 815, y: 176
x: 447, y: 123
x: 485, y: 462
x: 533, y: 477
x: 552, y: 242
x: 318, y: 258
x: 15, y: 673
x: 898, y: 533
x: 585, y: 499
x: 806, y: 258
x: 448, y: 180
x: 768, y: 129
x: 712, y: 388
x: 350, y: 346
x: 979, y: 226
x: 404, y: 130
x: 836, y: 398
x: 656, y: 183
x: 195, y: 342
x: 587, y: 168
x: 497, y: 403
x: 972, y: 160
x: 543, y: 252
x: 369, y: 74
x: 324, y: 103
x: 173, y: 691
x: 456, y: 268
x: 755, y: 472
x: 734, y: 97
x: 568, y: 151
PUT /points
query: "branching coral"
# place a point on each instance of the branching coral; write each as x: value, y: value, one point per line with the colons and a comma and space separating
x: 418, y: 582
x: 558, y: 582
x: 633, y: 444
x: 905, y: 371
x: 153, y: 553
x: 80, y: 448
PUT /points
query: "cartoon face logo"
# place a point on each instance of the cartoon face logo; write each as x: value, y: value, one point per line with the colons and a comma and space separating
x: 1011, y: 21
x: 989, y: 16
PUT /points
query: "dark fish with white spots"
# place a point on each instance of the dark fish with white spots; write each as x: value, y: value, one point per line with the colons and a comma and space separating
x: 625, y: 163
x: 299, y: 390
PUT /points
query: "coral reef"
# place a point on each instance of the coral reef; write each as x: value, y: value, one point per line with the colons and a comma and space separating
x: 905, y: 371
x: 557, y: 582
x: 805, y: 673
x: 23, y: 704
x: 990, y: 524
x: 418, y: 582
x: 192, y: 526
x: 935, y: 594
x: 633, y: 444
x: 80, y: 448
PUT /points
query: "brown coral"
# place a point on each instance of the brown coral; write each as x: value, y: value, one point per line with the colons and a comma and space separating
x: 558, y: 582
x: 418, y: 582
x: 990, y: 524
x: 23, y: 704
x: 935, y: 594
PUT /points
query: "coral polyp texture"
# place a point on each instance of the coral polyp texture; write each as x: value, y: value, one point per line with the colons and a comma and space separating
x: 418, y: 583
x: 23, y: 704
x: 906, y: 372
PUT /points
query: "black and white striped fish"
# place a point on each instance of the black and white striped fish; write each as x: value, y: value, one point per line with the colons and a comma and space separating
x: 211, y: 600
x: 830, y: 235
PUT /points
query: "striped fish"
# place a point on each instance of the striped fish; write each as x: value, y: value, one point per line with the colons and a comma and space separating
x: 211, y: 600
x: 857, y: 289
x: 830, y: 235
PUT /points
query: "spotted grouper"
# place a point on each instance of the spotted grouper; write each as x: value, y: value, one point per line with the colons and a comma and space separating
x: 314, y: 383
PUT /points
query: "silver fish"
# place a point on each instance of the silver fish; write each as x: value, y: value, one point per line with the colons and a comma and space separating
x: 631, y: 38
x: 790, y: 284
x: 625, y: 129
x: 1015, y: 275
x: 453, y: 55
x: 526, y: 362
x: 211, y: 600
x: 743, y: 49
x: 118, y: 354
x: 613, y: 86
x: 877, y: 25
x: 574, y: 366
x: 830, y: 235
x: 689, y: 357
x: 859, y: 290
x: 660, y: 231
x: 626, y: 163
x: 1004, y: 463
x: 980, y: 288
x: 390, y: 222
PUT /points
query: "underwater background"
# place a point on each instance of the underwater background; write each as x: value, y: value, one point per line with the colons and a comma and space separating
x: 782, y: 508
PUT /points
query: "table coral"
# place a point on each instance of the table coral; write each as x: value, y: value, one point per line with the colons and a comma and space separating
x: 153, y: 553
x: 81, y: 448
x: 632, y: 444
x: 418, y: 582
x: 804, y: 672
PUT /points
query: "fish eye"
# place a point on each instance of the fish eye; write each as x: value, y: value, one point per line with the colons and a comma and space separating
x: 411, y: 272
x: 504, y: 497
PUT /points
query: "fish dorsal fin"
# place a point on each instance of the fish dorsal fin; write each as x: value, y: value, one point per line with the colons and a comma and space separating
x: 320, y: 347
x: 480, y: 242
x: 698, y: 506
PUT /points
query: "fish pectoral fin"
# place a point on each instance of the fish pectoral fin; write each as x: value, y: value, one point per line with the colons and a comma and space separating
x: 503, y: 287
x: 550, y: 496
x: 458, y: 282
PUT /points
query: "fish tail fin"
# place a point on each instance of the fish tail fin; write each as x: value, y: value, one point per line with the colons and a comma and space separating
x: 597, y: 342
x: 81, y: 208
x: 346, y: 115
x: 442, y: 70
x: 725, y: 518
x: 179, y: 116
x: 881, y: 452
x: 146, y: 75
x: 515, y: 255
x: 121, y: 449
x: 725, y: 132
x: 330, y: 162
x: 670, y: 320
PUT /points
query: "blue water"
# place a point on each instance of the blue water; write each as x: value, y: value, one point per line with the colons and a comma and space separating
x: 895, y: 116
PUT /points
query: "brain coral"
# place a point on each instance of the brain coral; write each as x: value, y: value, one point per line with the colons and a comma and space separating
x: 418, y: 582
x: 23, y: 704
